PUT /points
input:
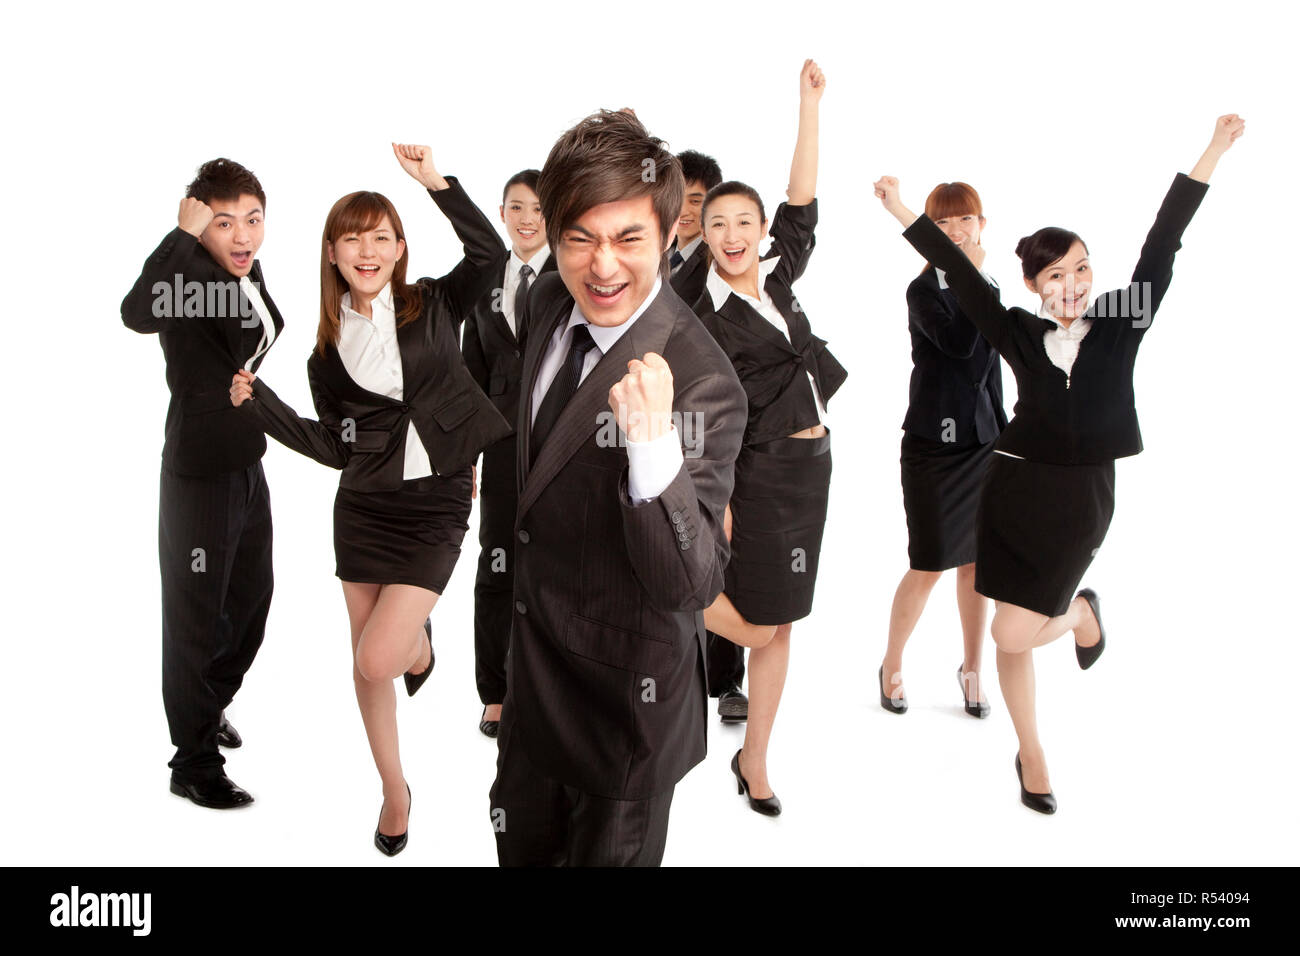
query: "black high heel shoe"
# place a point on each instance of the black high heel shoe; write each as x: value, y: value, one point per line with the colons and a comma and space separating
x: 1042, y: 802
x: 1087, y: 656
x: 415, y: 681
x: 893, y: 706
x: 488, y: 728
x: 976, y: 708
x: 393, y: 845
x: 768, y: 806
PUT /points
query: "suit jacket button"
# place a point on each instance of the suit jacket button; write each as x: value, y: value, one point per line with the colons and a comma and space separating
x: 523, y: 536
x: 685, y: 545
x: 521, y: 607
x: 516, y: 353
x: 677, y: 517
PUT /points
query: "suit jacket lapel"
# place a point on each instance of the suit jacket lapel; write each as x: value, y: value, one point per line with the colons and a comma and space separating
x: 740, y: 313
x: 578, y: 422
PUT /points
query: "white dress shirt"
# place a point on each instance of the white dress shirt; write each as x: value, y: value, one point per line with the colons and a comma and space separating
x: 764, y: 306
x: 651, y: 465
x: 259, y: 308
x: 511, y: 284
x: 368, y: 348
x: 687, y: 250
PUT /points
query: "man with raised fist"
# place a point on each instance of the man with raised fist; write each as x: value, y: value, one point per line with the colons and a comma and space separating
x: 630, y: 421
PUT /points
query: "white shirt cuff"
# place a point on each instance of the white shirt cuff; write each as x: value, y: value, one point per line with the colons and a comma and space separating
x: 652, y: 466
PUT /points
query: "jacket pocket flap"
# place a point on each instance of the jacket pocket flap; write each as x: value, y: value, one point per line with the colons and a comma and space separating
x: 626, y: 650
x: 452, y: 413
x: 197, y: 403
x: 367, y: 441
x: 498, y: 382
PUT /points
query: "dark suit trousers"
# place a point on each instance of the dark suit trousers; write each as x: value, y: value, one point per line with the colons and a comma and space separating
x: 724, y: 662
x: 494, y: 585
x: 214, y: 552
x: 538, y: 821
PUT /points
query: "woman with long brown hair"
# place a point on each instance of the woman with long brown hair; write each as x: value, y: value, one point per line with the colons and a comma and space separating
x: 401, y: 416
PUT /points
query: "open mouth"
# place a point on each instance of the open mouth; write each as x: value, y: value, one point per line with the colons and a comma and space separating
x: 368, y: 272
x: 526, y: 233
x: 605, y: 294
x: 734, y: 255
x: 241, y: 259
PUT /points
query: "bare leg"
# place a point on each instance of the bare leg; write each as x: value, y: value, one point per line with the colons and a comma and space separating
x: 721, y: 617
x: 909, y: 601
x: 387, y: 640
x: 1020, y: 629
x: 767, y: 670
x: 1016, y: 676
x: 973, y: 608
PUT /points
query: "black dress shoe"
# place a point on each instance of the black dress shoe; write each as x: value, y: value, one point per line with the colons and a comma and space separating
x: 215, y: 793
x: 393, y: 845
x: 893, y: 706
x: 733, y: 705
x: 228, y: 736
x: 976, y: 708
x: 1087, y: 656
x: 768, y: 806
x: 1042, y: 802
x: 488, y: 728
x: 415, y: 681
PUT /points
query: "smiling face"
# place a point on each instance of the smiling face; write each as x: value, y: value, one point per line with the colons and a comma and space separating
x: 1066, y: 284
x: 235, y: 233
x: 733, y: 230
x: 609, y: 259
x: 688, y: 223
x: 522, y: 214
x: 964, y: 230
x: 366, y: 259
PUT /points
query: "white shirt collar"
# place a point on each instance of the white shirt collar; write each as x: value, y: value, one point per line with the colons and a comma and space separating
x: 384, y: 300
x: 606, y: 335
x: 719, y: 288
x: 535, y: 263
x: 688, y: 250
x: 1076, y: 330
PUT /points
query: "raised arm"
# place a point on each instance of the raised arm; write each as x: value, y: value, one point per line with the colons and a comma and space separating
x: 979, y: 300
x: 476, y: 273
x: 803, y: 168
x: 149, y: 306
x: 319, y: 440
x: 1226, y: 130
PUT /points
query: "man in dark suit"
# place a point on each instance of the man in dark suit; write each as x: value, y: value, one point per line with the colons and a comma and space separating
x: 493, y: 344
x: 688, y: 259
x: 630, y: 421
x: 201, y: 291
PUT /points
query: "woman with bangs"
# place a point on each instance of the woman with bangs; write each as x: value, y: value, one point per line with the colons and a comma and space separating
x: 954, y: 415
x: 401, y: 416
x: 778, y: 507
x: 1049, y: 493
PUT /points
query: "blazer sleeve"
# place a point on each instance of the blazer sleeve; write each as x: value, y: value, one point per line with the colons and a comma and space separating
x: 320, y: 440
x: 932, y: 314
x: 1155, y: 267
x: 463, y: 286
x: 793, y: 240
x: 979, y: 300
x: 142, y: 305
x: 676, y: 542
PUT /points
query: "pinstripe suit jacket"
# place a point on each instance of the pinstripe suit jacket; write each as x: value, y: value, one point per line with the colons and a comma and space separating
x: 606, y: 689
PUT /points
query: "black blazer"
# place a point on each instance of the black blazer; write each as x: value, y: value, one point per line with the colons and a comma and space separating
x: 494, y: 354
x: 1088, y: 417
x: 688, y: 282
x: 204, y: 433
x: 772, y: 367
x: 955, y: 395
x: 606, y: 690
x: 453, y: 418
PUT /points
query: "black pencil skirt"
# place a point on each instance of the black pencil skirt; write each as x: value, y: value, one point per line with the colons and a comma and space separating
x: 408, y: 536
x: 778, y: 513
x: 1039, y: 528
x: 941, y: 493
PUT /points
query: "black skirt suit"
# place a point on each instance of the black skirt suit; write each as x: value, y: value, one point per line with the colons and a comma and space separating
x: 954, y: 415
x: 388, y: 529
x: 778, y: 507
x: 1044, y: 513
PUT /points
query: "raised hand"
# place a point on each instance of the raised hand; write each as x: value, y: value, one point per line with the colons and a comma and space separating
x: 812, y: 81
x: 418, y: 163
x: 1226, y: 130
x: 241, y: 387
x: 194, y: 216
x: 642, y: 401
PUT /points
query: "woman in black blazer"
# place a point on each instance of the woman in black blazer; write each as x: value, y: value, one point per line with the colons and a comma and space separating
x: 778, y: 507
x: 954, y: 414
x: 1049, y: 495
x: 401, y: 416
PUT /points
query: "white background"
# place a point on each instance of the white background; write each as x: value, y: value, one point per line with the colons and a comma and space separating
x: 1176, y: 749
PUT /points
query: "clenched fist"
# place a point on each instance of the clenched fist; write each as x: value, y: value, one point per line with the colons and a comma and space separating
x: 194, y: 216
x: 642, y: 401
x: 241, y: 387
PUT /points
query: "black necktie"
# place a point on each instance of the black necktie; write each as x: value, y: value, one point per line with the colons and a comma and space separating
x: 675, y: 260
x: 562, y: 389
x: 521, y: 293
